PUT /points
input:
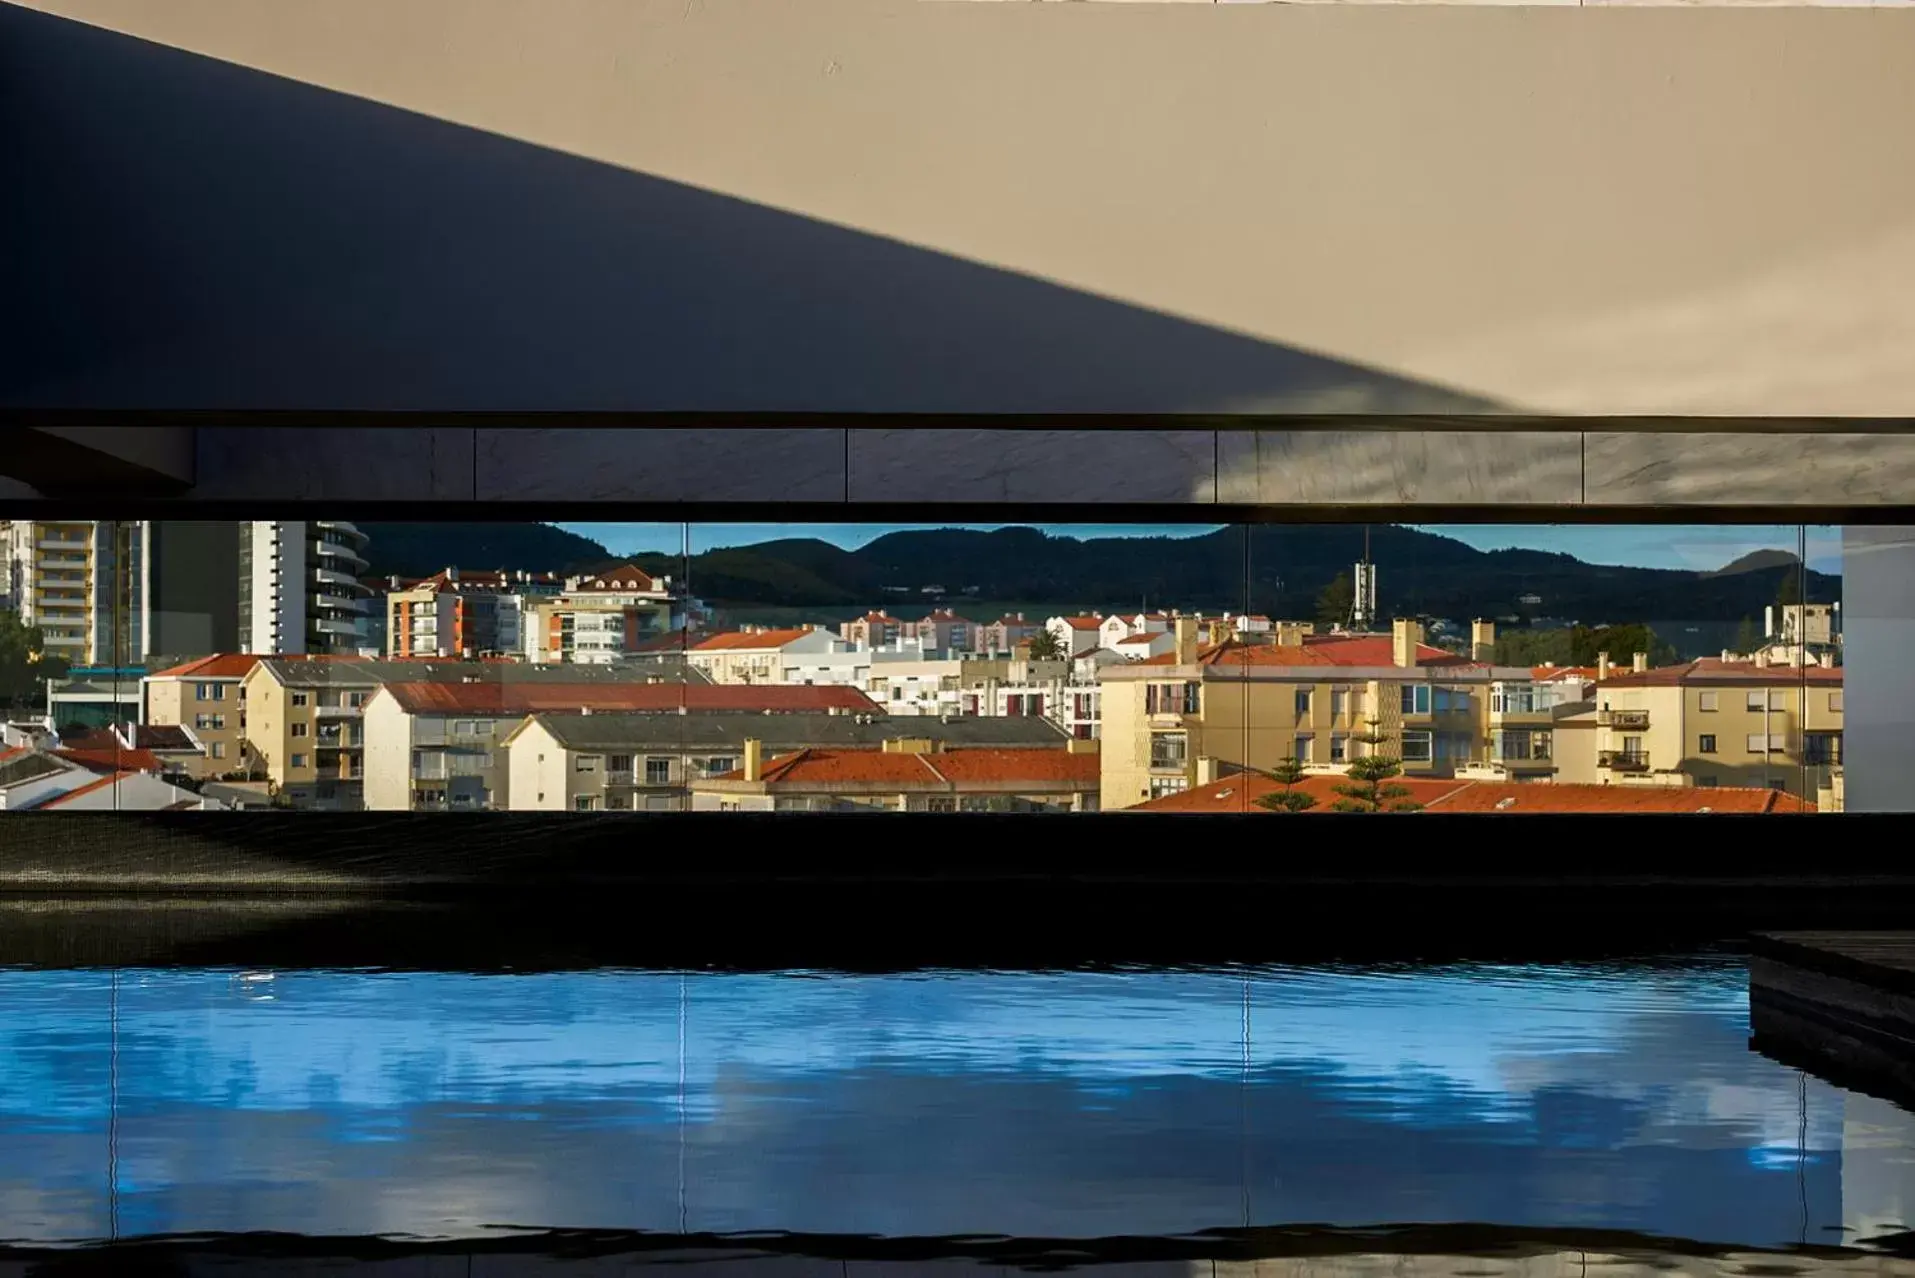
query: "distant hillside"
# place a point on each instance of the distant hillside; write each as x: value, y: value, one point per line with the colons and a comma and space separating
x: 1418, y: 572
x: 1756, y: 561
x: 419, y: 550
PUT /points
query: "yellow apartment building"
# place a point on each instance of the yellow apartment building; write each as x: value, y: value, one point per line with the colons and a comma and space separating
x: 207, y: 697
x: 304, y: 727
x: 1716, y: 722
x: 1312, y: 697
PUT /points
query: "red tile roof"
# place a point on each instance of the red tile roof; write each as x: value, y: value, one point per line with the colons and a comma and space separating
x: 747, y: 640
x: 624, y: 577
x: 1240, y: 794
x: 221, y: 665
x: 1377, y: 651
x: 946, y: 616
x: 1715, y: 670
x: 162, y: 736
x: 1586, y: 674
x: 1083, y: 623
x: 958, y: 768
x: 111, y: 757
x: 653, y: 698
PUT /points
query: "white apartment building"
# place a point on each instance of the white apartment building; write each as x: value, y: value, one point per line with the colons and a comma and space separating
x: 299, y: 587
x: 80, y: 582
x: 597, y: 619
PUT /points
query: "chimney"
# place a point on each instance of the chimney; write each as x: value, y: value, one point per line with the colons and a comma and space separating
x: 1761, y: 658
x: 1602, y: 667
x: 754, y: 759
x: 1186, y: 649
x: 1482, y: 640
x: 1405, y: 638
x: 1206, y: 770
x: 1639, y: 663
x: 585, y: 709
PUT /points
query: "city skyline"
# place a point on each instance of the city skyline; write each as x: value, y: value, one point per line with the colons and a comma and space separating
x: 1691, y: 547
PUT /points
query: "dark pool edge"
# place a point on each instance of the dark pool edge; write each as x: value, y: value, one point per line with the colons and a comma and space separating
x: 1222, y: 1245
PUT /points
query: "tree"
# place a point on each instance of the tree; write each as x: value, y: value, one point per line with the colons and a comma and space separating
x: 1045, y: 647
x: 1746, y: 639
x: 1288, y: 772
x: 1369, y: 788
x: 1789, y: 589
x: 1336, y: 601
x: 24, y: 661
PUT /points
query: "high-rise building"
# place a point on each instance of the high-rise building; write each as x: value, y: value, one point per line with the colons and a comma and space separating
x: 299, y: 587
x: 189, y: 587
x: 82, y: 583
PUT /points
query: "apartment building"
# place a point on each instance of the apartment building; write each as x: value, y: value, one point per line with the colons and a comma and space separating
x: 80, y: 582
x: 602, y: 617
x: 205, y: 696
x: 460, y: 613
x: 572, y: 762
x: 1078, y: 634
x: 875, y: 629
x: 1238, y: 704
x: 299, y: 588
x: 945, y: 631
x: 1718, y: 722
x: 435, y: 746
x: 905, y: 775
x: 1007, y: 633
x: 761, y: 654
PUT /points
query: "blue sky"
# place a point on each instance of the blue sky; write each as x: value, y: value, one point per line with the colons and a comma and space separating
x: 1639, y: 545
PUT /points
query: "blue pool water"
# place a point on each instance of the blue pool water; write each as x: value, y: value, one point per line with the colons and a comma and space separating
x: 1058, y: 1105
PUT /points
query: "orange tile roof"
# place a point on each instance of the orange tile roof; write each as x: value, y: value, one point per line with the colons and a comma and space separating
x: 751, y: 640
x: 1376, y: 650
x: 1716, y: 670
x: 111, y: 757
x: 880, y: 616
x: 1235, y: 652
x: 958, y: 768
x: 221, y: 665
x: 1083, y: 623
x: 1240, y: 794
x: 655, y: 698
x: 1585, y: 673
x: 945, y: 615
x: 627, y: 576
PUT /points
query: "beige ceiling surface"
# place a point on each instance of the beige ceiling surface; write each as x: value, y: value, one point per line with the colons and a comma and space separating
x: 1696, y: 211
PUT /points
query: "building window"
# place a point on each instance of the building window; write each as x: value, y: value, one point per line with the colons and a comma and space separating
x: 1778, y: 699
x: 583, y: 803
x: 302, y: 699
x: 617, y: 803
x: 1416, y: 747
x: 1757, y: 701
x: 1757, y: 743
x: 1193, y: 698
x: 218, y: 749
x: 1305, y: 747
x: 585, y: 763
x: 1160, y: 786
x: 658, y: 772
x: 1822, y: 748
x: 1706, y: 701
x: 620, y: 763
x: 299, y: 729
x: 299, y: 761
x: 1339, y: 747
x: 1835, y: 703
x: 717, y: 767
x: 1415, y: 698
x: 1706, y: 744
x: 1303, y: 703
x: 1168, y: 749
x: 1707, y: 783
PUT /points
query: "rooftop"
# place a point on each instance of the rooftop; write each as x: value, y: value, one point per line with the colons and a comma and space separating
x: 221, y: 665
x: 793, y: 731
x: 490, y: 698
x: 626, y: 576
x: 958, y: 769
x: 1240, y: 793
x: 752, y: 640
x: 1714, y: 670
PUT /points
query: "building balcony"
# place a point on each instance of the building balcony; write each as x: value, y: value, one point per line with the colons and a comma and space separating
x: 333, y: 577
x: 1536, y: 763
x: 343, y: 527
x: 627, y: 777
x: 344, y: 554
x: 1623, y: 760
x: 336, y: 712
x: 1628, y: 720
x: 337, y: 626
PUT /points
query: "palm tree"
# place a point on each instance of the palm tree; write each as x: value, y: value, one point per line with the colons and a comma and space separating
x: 1287, y: 773
x: 1369, y: 788
x: 1045, y: 647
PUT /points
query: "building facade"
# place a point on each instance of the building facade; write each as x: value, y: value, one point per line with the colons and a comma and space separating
x: 300, y: 589
x: 905, y: 775
x: 206, y: 697
x: 80, y: 582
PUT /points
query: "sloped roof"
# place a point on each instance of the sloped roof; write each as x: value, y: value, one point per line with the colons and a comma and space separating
x: 668, y: 732
x: 221, y: 665
x: 751, y: 641
x: 1714, y: 670
x: 1240, y: 794
x: 427, y: 697
x: 959, y: 768
x: 627, y: 576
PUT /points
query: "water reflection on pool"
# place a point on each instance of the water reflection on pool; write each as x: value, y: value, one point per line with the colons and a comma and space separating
x: 1038, y: 1105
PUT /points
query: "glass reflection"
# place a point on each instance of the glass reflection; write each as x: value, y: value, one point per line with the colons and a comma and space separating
x: 1055, y: 1105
